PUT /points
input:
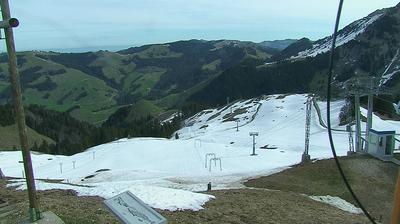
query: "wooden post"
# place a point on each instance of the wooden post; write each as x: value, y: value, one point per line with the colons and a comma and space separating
x: 19, y: 112
x: 396, y: 203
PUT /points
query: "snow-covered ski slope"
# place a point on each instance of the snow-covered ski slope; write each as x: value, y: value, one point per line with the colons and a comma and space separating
x: 165, y: 173
x: 344, y: 36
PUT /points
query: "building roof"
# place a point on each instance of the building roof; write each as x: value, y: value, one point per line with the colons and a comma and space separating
x: 382, y: 132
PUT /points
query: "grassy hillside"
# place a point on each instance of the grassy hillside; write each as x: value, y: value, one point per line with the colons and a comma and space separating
x: 91, y: 86
x: 9, y: 138
x: 59, y: 88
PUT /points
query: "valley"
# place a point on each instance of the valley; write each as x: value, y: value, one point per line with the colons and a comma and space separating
x: 155, y: 168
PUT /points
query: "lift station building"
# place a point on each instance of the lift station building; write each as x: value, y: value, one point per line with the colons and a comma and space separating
x: 382, y: 143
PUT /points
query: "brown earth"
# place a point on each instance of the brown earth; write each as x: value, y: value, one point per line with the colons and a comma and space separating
x: 372, y: 180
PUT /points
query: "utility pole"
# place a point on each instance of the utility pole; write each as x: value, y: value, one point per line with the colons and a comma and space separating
x: 351, y: 142
x: 357, y: 117
x: 306, y: 157
x: 254, y: 134
x: 369, y: 115
x: 362, y: 86
x: 7, y: 25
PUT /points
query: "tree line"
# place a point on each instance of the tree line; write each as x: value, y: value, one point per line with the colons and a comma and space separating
x: 73, y: 136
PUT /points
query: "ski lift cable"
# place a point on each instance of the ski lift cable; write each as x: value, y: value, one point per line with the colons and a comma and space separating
x: 328, y: 105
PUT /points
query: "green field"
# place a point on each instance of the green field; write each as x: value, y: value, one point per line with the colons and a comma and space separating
x: 9, y: 138
x: 91, y: 86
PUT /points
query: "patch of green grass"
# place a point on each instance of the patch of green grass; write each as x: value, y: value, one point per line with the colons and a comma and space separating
x: 144, y: 108
x: 177, y: 99
x: 3, y: 86
x: 148, y: 81
x: 158, y: 51
x: 73, y: 88
x: 32, y: 60
x: 111, y: 64
x: 142, y: 81
x: 9, y: 137
x: 212, y: 66
x: 70, y: 86
x: 94, y: 117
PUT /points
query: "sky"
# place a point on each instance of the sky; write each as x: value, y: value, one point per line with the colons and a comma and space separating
x: 66, y: 24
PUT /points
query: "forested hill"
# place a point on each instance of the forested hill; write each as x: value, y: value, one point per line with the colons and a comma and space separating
x: 91, y: 86
x: 369, y: 47
x: 58, y: 133
x: 105, y: 95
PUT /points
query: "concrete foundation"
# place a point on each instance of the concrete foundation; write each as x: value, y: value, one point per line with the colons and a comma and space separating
x: 349, y: 153
x: 47, y: 218
x: 305, y: 158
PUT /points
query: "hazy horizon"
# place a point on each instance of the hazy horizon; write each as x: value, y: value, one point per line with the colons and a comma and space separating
x: 120, y: 47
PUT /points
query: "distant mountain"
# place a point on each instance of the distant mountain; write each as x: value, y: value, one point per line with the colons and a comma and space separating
x: 347, y: 34
x: 367, y: 47
x: 293, y: 49
x: 93, y: 85
x: 132, y: 91
x: 278, y: 44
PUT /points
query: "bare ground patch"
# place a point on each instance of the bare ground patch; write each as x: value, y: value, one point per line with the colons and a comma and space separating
x: 230, y: 206
x: 372, y: 180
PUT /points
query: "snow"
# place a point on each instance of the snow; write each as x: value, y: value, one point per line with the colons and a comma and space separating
x: 171, y: 118
x: 343, y: 37
x: 391, y: 69
x: 165, y: 173
x: 397, y: 107
x: 156, y: 197
x: 338, y: 203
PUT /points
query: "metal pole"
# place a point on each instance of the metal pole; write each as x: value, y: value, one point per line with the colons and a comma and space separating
x: 254, y: 145
x: 369, y: 117
x: 351, y: 142
x: 358, y: 124
x: 20, y: 116
x: 254, y: 134
x: 305, y: 157
x: 308, y: 123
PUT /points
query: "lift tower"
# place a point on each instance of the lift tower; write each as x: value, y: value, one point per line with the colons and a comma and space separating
x: 358, y: 87
x: 306, y: 157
